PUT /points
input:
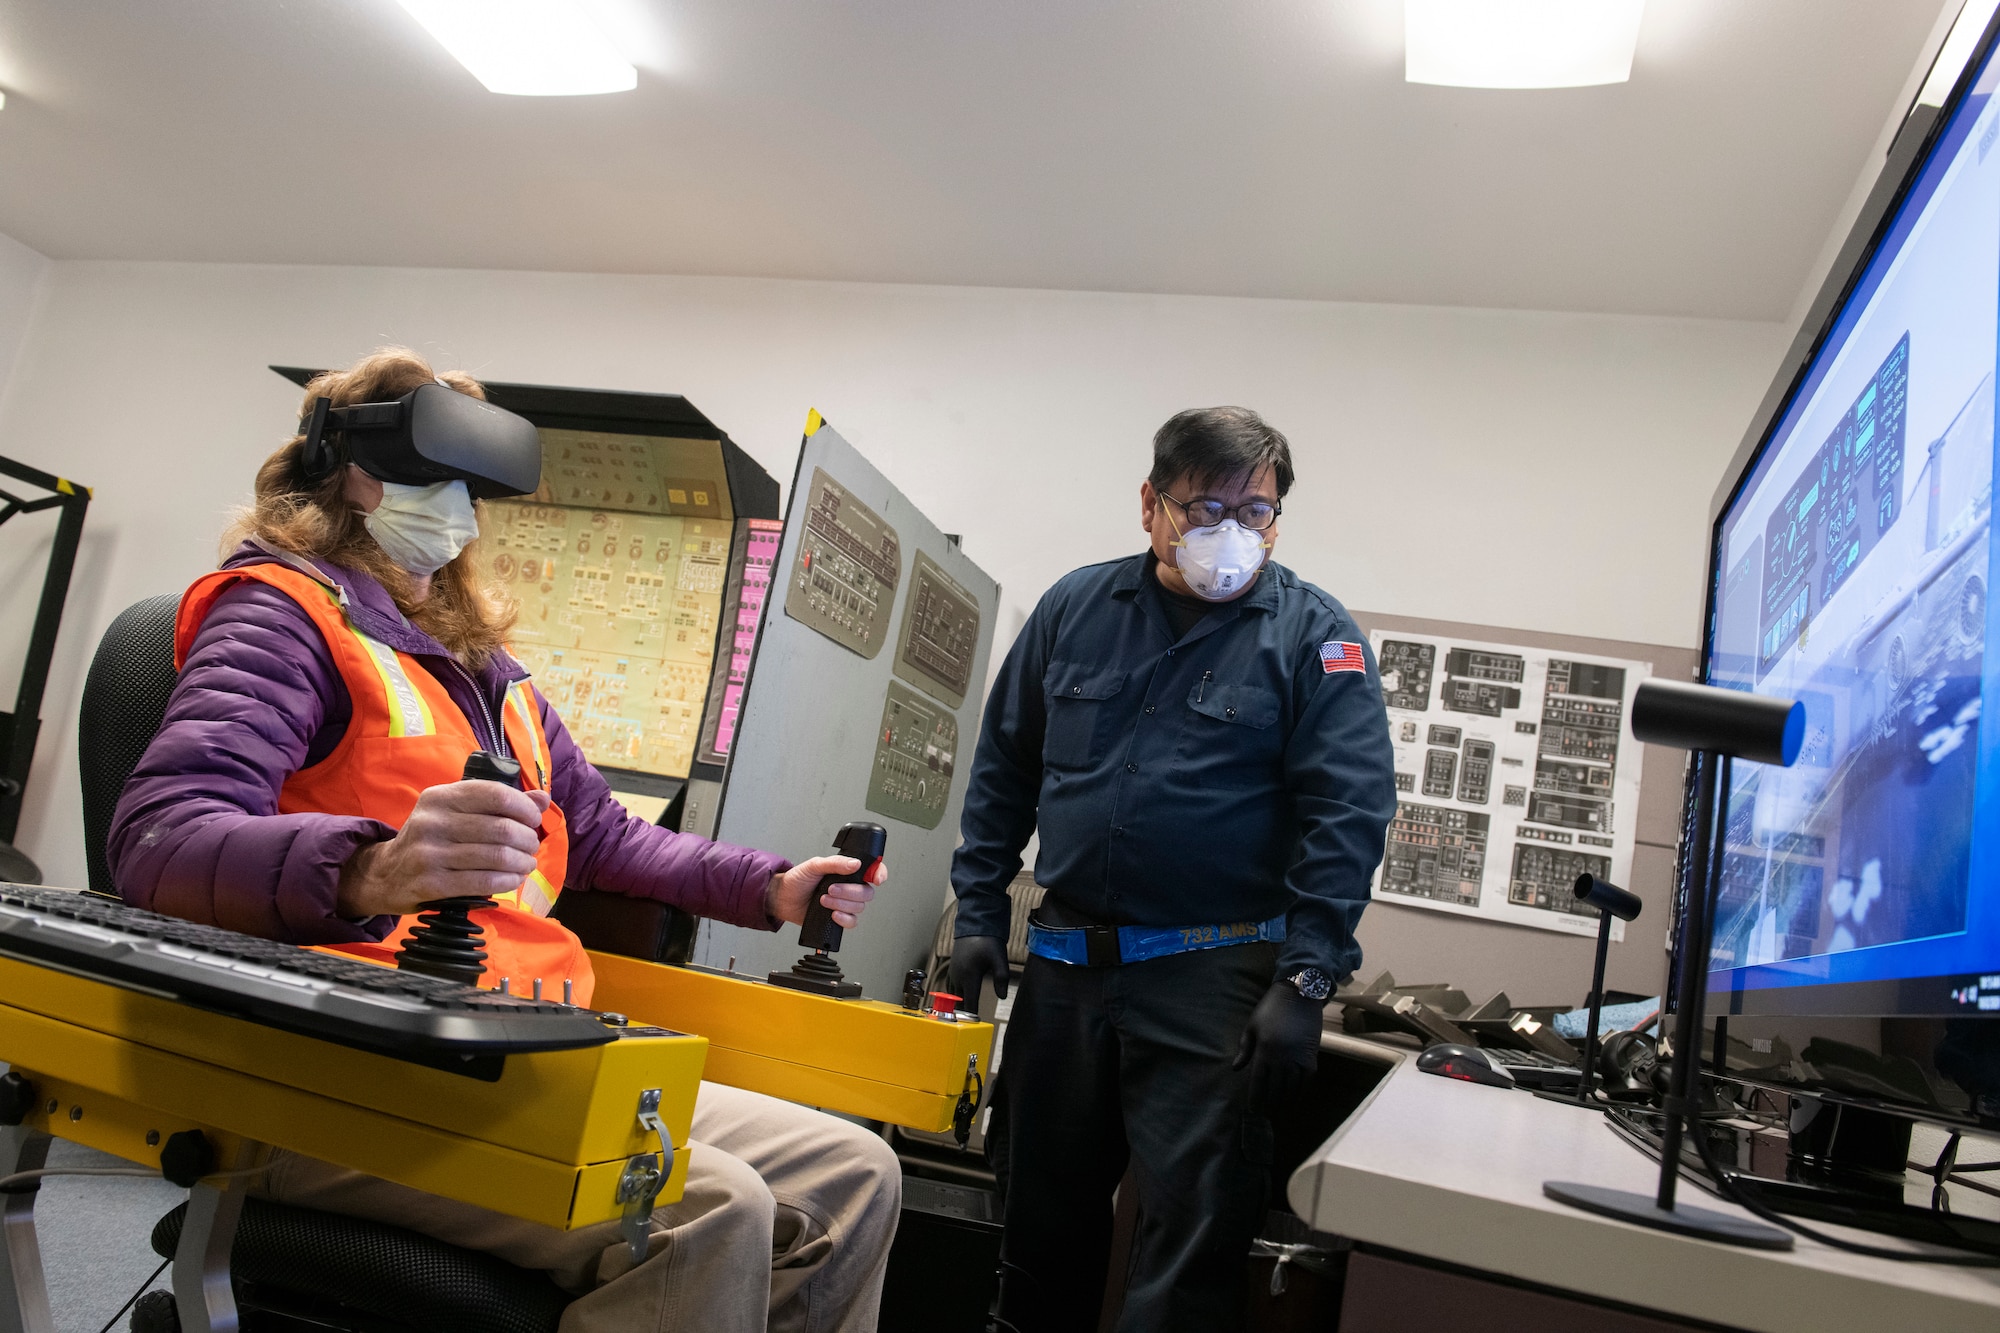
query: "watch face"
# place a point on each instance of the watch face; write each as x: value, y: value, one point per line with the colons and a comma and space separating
x: 1313, y: 983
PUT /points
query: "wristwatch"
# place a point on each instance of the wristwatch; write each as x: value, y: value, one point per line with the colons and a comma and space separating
x: 1311, y: 983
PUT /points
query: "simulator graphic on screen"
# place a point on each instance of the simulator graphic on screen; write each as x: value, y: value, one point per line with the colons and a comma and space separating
x: 617, y: 568
x: 1853, y: 576
x: 1837, y: 510
x: 617, y: 622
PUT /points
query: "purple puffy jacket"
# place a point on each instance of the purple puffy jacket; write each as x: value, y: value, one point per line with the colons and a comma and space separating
x: 198, y: 835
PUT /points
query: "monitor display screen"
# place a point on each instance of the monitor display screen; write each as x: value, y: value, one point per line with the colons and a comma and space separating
x: 617, y: 568
x: 1852, y: 569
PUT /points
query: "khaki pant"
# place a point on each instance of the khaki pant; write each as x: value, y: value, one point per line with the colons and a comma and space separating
x: 785, y: 1224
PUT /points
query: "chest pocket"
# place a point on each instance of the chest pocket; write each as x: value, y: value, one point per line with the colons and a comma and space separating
x: 1231, y: 724
x: 1076, y: 695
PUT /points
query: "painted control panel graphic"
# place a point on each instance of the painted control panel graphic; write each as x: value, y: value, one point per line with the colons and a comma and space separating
x: 916, y: 753
x: 751, y: 561
x: 843, y: 583
x: 940, y: 634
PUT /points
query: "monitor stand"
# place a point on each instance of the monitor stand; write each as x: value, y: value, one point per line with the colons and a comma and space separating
x: 1629, y: 1206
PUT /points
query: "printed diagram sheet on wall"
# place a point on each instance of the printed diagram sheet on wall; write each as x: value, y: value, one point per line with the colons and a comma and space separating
x: 1516, y: 772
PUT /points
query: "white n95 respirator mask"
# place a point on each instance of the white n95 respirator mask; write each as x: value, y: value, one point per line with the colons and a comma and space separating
x: 1219, y: 561
x: 423, y: 528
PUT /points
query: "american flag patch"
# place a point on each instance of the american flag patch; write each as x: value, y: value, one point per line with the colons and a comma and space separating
x: 1338, y: 656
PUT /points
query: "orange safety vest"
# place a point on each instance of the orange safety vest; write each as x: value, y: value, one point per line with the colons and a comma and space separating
x: 406, y: 734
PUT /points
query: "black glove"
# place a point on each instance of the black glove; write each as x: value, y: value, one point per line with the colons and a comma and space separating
x: 974, y: 959
x: 1281, y: 1045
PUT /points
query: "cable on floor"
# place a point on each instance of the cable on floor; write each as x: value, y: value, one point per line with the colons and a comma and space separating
x: 133, y: 1299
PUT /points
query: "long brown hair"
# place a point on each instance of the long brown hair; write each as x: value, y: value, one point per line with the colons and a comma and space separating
x: 465, y: 613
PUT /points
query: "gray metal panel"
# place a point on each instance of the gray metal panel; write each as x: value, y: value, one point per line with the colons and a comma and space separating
x: 805, y: 746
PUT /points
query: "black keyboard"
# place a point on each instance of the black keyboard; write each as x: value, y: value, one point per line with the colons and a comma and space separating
x: 1529, y: 1059
x: 404, y: 1014
x: 1537, y: 1069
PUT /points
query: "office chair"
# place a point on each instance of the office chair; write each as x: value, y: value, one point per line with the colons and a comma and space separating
x: 1023, y: 896
x: 124, y: 698
x: 294, y: 1268
x: 16, y: 868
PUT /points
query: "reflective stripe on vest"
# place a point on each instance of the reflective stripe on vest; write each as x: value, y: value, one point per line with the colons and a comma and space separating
x: 536, y: 894
x: 521, y: 720
x: 409, y: 715
x: 521, y: 702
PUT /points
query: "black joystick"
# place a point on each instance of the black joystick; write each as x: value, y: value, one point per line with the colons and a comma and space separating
x: 446, y: 941
x: 816, y: 971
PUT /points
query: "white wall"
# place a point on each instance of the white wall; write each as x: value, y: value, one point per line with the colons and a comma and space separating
x: 23, y: 279
x: 24, y: 541
x: 24, y: 284
x: 1548, y: 471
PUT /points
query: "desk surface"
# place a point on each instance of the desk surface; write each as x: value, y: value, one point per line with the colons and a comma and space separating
x: 1453, y: 1171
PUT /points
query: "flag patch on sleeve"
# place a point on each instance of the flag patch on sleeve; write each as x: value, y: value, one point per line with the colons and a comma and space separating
x: 1337, y: 656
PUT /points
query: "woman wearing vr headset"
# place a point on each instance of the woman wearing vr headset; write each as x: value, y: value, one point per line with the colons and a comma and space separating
x: 305, y: 786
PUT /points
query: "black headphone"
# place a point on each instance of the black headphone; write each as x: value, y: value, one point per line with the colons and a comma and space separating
x: 326, y: 427
x: 1626, y: 1064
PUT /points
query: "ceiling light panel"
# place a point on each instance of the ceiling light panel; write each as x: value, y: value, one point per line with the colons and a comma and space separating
x: 527, y: 48
x: 1520, y: 43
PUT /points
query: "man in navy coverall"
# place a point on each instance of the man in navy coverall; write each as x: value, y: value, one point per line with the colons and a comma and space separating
x: 1199, y: 735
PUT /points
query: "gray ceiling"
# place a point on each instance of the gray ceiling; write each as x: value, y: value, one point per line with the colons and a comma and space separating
x: 1248, y: 147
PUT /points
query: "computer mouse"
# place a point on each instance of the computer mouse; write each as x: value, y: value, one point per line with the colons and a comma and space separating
x: 1468, y: 1064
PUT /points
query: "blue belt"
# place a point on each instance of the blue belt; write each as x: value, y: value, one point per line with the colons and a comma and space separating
x: 1108, y: 946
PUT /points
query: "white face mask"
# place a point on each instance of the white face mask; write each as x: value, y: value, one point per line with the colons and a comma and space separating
x: 423, y: 528
x: 1218, y: 562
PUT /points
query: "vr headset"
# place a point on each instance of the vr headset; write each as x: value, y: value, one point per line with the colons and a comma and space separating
x: 430, y: 434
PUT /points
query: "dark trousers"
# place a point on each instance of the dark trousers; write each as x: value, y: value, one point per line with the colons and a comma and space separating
x: 1108, y: 1065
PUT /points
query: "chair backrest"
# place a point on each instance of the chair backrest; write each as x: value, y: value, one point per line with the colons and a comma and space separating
x: 124, y: 698
x: 1024, y: 896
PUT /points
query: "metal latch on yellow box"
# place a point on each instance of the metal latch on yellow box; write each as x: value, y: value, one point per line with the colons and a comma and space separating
x: 968, y: 1102
x: 643, y: 1178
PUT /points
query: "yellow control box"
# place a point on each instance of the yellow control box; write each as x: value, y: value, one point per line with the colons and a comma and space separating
x: 859, y: 1057
x: 122, y: 1070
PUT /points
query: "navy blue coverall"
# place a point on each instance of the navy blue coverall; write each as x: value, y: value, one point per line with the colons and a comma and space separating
x: 1218, y: 777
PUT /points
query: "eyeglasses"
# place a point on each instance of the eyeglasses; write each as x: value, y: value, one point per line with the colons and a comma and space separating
x: 1254, y: 514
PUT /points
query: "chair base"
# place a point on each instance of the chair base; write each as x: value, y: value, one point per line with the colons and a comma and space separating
x: 264, y: 1311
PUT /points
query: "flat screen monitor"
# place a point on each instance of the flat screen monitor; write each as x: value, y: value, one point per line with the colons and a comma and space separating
x: 1851, y: 569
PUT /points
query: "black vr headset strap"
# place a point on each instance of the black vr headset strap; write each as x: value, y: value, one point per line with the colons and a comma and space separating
x: 321, y: 456
x: 317, y: 457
